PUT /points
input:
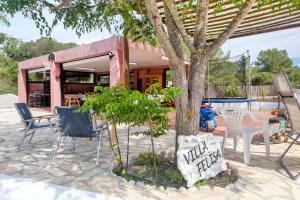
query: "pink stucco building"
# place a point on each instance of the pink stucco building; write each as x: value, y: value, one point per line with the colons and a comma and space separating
x: 45, y: 81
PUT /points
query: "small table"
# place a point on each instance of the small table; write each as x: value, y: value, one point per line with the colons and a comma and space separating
x: 71, y: 100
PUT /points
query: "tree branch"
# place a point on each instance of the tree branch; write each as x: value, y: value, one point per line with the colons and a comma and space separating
x: 231, y: 28
x: 201, y: 24
x: 178, y: 71
x: 198, y: 59
x: 185, y: 36
x: 160, y: 31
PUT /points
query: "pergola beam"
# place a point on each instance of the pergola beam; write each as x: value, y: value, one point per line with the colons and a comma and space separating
x: 259, y: 20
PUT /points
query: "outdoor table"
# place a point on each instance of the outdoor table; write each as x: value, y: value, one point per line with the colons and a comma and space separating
x: 71, y: 100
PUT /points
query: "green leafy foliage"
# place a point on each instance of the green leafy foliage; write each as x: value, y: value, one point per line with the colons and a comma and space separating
x: 232, y: 91
x: 19, y: 50
x: 119, y: 105
x: 122, y: 105
x: 122, y: 172
x: 225, y: 71
x: 201, y: 183
x: 222, y: 71
x: 119, y: 16
x: 13, y: 50
x: 263, y: 93
x: 8, y: 74
x: 221, y: 180
x: 274, y: 61
x: 147, y: 159
x: 173, y: 177
x: 168, y: 173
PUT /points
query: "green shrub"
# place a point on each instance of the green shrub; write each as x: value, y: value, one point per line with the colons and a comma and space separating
x: 201, y: 183
x: 122, y: 172
x: 147, y: 159
x: 232, y: 91
x: 264, y: 93
x: 173, y: 177
x: 12, y: 89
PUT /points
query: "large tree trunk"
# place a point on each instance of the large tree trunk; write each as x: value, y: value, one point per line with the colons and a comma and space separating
x: 188, y: 104
x: 192, y: 84
x: 178, y: 72
x: 197, y: 71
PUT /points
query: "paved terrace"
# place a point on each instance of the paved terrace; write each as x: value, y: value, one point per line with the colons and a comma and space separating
x: 263, y: 179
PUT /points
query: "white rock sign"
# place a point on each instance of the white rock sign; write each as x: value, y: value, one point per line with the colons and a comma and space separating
x: 199, y: 157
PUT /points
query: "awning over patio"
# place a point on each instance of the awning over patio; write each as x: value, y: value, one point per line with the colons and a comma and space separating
x: 140, y: 56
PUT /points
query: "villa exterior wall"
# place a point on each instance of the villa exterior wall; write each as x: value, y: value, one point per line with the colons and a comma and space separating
x: 116, y: 68
x: 22, y: 94
x: 55, y: 86
x: 114, y: 45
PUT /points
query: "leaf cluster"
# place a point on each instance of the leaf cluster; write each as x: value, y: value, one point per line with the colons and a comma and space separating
x: 231, y: 91
x: 146, y: 159
x: 118, y: 16
x: 8, y: 74
x: 274, y: 61
x: 19, y: 50
x: 122, y: 105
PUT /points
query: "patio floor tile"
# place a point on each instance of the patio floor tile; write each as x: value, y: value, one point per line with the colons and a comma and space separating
x: 263, y: 179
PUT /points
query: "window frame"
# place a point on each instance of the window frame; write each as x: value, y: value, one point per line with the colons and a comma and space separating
x: 65, y: 77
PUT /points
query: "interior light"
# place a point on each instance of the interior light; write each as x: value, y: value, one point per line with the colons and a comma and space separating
x: 132, y: 63
x: 85, y: 68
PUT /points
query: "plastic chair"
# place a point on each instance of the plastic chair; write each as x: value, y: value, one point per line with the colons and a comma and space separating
x: 233, y: 118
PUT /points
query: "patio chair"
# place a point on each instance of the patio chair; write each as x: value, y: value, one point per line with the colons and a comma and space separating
x: 32, y: 124
x: 233, y: 118
x: 73, y: 124
x: 292, y: 107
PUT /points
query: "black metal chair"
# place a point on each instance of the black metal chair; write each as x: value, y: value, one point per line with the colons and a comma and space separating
x: 292, y: 107
x: 32, y: 124
x: 76, y: 124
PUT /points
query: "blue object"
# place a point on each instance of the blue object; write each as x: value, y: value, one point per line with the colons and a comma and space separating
x: 75, y: 124
x: 32, y: 124
x: 207, y: 114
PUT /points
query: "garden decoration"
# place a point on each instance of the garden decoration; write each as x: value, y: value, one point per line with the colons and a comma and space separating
x: 199, y: 157
x: 278, y: 125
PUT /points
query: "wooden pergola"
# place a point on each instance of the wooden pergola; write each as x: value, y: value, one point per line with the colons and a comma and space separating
x: 261, y: 19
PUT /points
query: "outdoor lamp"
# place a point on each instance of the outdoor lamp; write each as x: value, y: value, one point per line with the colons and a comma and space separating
x: 51, y: 57
x: 110, y: 54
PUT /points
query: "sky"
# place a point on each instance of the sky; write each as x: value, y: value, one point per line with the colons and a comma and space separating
x: 23, y: 28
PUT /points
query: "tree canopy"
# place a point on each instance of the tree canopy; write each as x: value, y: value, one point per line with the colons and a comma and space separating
x: 20, y: 50
x: 274, y: 61
x: 85, y: 16
x: 8, y: 74
x: 222, y: 70
x: 13, y: 50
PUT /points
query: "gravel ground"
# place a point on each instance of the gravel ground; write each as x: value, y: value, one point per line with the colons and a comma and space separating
x: 8, y: 100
